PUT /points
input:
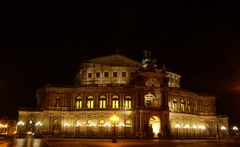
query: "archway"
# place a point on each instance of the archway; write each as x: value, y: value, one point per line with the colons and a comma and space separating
x: 154, y: 122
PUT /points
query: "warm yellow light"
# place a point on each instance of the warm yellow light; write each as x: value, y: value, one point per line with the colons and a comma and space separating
x: 235, y: 128
x: 114, y: 118
x: 121, y: 124
x: 177, y: 126
x: 155, y: 128
x: 78, y: 124
x: 92, y: 125
x: 194, y: 126
x: 20, y: 123
x: 66, y: 124
x: 106, y: 124
x: 186, y: 126
x: 223, y: 128
x: 38, y: 123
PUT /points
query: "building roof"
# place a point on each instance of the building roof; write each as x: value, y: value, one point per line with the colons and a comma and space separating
x: 115, y: 60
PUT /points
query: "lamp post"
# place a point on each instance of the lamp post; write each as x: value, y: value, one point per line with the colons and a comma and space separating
x: 92, y: 125
x: 106, y: 125
x: 66, y: 125
x: 235, y: 129
x: 38, y: 125
x: 121, y: 128
x: 177, y: 126
x: 223, y: 130
x: 114, y: 119
x: 20, y: 124
x: 78, y: 125
x: 194, y: 130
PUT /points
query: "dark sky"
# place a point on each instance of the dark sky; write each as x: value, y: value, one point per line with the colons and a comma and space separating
x: 45, y: 42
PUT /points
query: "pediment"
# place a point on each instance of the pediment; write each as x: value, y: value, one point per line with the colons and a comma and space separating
x: 115, y: 60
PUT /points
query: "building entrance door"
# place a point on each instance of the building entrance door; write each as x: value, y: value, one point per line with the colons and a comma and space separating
x: 154, y: 122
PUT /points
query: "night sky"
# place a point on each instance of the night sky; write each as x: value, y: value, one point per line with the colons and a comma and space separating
x: 45, y: 42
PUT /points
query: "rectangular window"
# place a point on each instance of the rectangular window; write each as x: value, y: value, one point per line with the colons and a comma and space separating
x: 105, y: 74
x: 90, y: 104
x: 102, y: 104
x: 124, y: 74
x: 115, y: 104
x: 97, y: 74
x: 128, y: 104
x: 79, y: 104
x: 182, y: 107
x: 114, y: 74
x: 175, y: 106
x: 89, y: 75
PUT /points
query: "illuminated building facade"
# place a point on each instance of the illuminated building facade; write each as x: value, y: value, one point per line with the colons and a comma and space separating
x: 148, y: 103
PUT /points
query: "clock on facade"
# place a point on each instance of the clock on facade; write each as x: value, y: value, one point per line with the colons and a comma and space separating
x: 152, y: 81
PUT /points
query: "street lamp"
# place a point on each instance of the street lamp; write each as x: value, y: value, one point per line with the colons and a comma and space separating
x: 235, y: 129
x: 38, y: 125
x: 121, y: 128
x: 194, y: 130
x: 78, y: 125
x: 223, y: 129
x: 20, y: 124
x: 114, y: 119
x: 66, y: 125
x: 92, y: 125
x: 177, y: 126
x: 106, y: 125
x: 186, y: 127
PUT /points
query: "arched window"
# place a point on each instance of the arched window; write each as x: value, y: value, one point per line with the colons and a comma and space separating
x: 189, y: 106
x: 57, y: 104
x: 101, y: 122
x: 115, y: 102
x: 102, y: 102
x: 89, y: 122
x: 175, y: 108
x: 90, y: 102
x: 128, y: 102
x: 79, y: 102
x: 148, y: 100
x: 128, y: 122
x: 182, y: 105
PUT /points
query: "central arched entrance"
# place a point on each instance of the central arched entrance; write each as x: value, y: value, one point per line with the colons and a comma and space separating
x: 154, y: 122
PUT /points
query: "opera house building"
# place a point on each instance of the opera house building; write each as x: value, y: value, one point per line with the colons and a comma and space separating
x: 116, y: 94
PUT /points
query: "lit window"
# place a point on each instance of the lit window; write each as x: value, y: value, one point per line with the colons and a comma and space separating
x: 57, y: 104
x: 105, y: 74
x: 115, y: 102
x: 114, y: 74
x: 128, y: 102
x: 102, y: 102
x: 182, y: 105
x: 89, y: 75
x: 89, y: 122
x: 101, y: 122
x: 128, y: 122
x: 90, y: 102
x: 79, y: 102
x: 124, y: 74
x: 175, y: 108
